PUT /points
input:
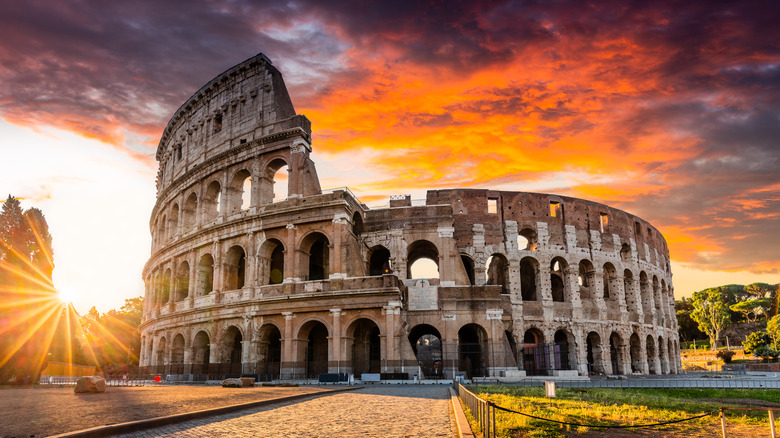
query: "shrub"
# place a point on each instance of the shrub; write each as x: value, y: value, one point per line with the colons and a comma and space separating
x: 726, y: 355
x: 765, y: 352
x: 756, y: 340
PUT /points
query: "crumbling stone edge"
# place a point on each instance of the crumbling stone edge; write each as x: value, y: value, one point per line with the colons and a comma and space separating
x: 134, y: 426
x: 464, y: 429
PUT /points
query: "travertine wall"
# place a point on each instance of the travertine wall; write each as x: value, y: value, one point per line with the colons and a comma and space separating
x: 527, y: 283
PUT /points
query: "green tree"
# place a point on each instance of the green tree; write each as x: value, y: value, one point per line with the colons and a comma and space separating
x: 756, y: 308
x: 112, y: 340
x: 755, y: 341
x: 711, y: 313
x: 689, y: 329
x: 773, y: 330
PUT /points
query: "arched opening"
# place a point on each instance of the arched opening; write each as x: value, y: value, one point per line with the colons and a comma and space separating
x: 240, y: 192
x: 527, y: 240
x: 201, y: 351
x: 205, y: 281
x: 182, y: 283
x: 625, y: 253
x: 610, y: 277
x: 635, y: 349
x: 422, y: 260
x: 426, y: 343
x: 535, y: 353
x: 379, y: 261
x: 557, y: 284
x: 563, y: 351
x: 497, y: 272
x: 366, y: 347
x: 177, y: 355
x: 271, y: 262
x: 173, y: 223
x: 160, y: 359
x: 211, y: 201
x: 595, y: 356
x: 235, y: 268
x: 616, y: 352
x: 651, y: 355
x: 269, y: 351
x: 275, y: 184
x: 585, y: 278
x: 188, y: 213
x: 232, y: 348
x: 468, y: 265
x: 646, y: 292
x: 165, y: 287
x: 472, y: 350
x: 528, y: 268
x: 357, y: 223
x: 314, y: 335
x: 316, y: 253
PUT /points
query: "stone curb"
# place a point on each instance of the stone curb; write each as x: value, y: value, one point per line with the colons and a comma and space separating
x: 134, y: 426
x: 464, y: 429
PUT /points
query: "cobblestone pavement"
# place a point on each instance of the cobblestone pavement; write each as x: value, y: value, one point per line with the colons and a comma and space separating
x: 374, y: 411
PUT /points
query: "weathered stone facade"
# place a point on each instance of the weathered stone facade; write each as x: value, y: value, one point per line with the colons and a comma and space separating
x: 242, y: 283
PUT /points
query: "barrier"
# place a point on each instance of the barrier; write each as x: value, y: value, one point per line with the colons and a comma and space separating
x: 771, y: 411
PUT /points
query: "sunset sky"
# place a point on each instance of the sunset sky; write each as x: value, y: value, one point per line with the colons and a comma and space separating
x: 668, y: 110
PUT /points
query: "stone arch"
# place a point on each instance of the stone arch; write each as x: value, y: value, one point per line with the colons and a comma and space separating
x: 586, y: 279
x: 205, y: 279
x: 160, y: 359
x: 635, y: 350
x: 235, y: 268
x: 275, y: 186
x: 357, y: 223
x: 211, y: 200
x: 497, y: 272
x: 558, y: 267
x: 527, y: 240
x: 610, y: 282
x: 271, y: 262
x: 646, y: 292
x: 565, y: 350
x: 189, y: 212
x: 232, y: 348
x: 269, y: 350
x: 594, y: 354
x: 468, y: 265
x: 473, y: 350
x: 616, y: 352
x: 418, y: 251
x: 535, y: 353
x: 427, y: 346
x: 379, y: 261
x: 182, y: 283
x: 173, y: 223
x: 177, y: 354
x: 651, y: 355
x: 165, y: 287
x: 313, y: 346
x: 315, y: 256
x: 239, y: 192
x: 529, y: 280
x: 365, y: 350
x: 201, y: 352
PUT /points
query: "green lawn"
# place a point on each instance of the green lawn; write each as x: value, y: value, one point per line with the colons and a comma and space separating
x: 612, y: 406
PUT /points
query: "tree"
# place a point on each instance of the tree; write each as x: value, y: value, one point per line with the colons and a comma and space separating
x: 773, y: 330
x: 755, y: 341
x: 689, y: 329
x: 756, y: 307
x: 112, y: 340
x: 711, y: 313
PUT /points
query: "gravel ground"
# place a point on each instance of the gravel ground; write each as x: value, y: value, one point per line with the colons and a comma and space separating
x: 28, y: 412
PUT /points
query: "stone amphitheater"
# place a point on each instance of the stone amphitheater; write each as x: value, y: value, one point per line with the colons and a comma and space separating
x: 256, y: 270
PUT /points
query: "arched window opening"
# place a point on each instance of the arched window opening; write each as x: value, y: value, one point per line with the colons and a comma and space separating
x: 318, y: 256
x: 635, y: 348
x: 610, y: 276
x: 651, y: 355
x: 426, y: 344
x: 594, y: 354
x: 616, y: 352
x: 235, y: 268
x: 173, y: 223
x: 205, y: 281
x: 557, y: 284
x: 586, y: 278
x: 240, y: 192
x: 201, y: 350
x: 315, y: 337
x: 189, y: 211
x: 473, y: 351
x: 366, y: 348
x: 182, y: 284
x: 160, y: 360
x: 563, y: 351
x: 269, y: 351
x: 165, y: 287
x: 535, y: 353
x: 379, y: 261
x: 423, y: 260
x: 497, y: 272
x: 271, y: 262
x: 527, y: 240
x: 281, y: 181
x: 232, y: 348
x: 211, y: 201
x: 177, y: 355
x: 468, y: 265
x: 528, y: 268
x: 357, y: 223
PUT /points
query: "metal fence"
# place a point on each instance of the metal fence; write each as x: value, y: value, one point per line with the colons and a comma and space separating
x: 660, y: 383
x: 483, y: 411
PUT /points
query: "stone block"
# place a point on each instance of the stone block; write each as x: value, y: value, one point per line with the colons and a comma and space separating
x: 232, y: 383
x: 248, y: 381
x: 90, y: 384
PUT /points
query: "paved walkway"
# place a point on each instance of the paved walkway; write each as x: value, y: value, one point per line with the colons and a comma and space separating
x: 374, y: 411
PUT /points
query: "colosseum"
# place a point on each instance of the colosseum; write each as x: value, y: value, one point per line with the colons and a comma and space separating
x: 256, y: 270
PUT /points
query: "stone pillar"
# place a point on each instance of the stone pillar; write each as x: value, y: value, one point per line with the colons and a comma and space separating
x: 288, y: 357
x: 335, y: 357
x: 389, y: 352
x: 336, y: 252
x: 291, y: 255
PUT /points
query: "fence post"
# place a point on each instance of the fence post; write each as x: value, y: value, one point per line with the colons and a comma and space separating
x: 723, y: 422
x: 772, y: 423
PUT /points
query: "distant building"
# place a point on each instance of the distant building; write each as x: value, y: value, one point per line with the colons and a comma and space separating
x: 313, y: 281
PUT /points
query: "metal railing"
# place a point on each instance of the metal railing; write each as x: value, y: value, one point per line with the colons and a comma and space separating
x: 483, y: 411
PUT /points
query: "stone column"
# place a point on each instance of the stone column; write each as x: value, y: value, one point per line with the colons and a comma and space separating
x: 392, y: 313
x: 288, y: 357
x: 334, y: 342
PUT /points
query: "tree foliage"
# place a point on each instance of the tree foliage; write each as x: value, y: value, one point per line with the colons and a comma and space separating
x: 753, y: 309
x: 773, y: 330
x: 757, y: 341
x: 689, y: 329
x: 711, y: 313
x: 112, y: 340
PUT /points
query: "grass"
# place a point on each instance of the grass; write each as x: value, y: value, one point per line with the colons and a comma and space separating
x: 609, y: 406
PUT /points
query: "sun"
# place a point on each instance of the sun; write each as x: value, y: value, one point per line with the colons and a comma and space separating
x: 67, y: 295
